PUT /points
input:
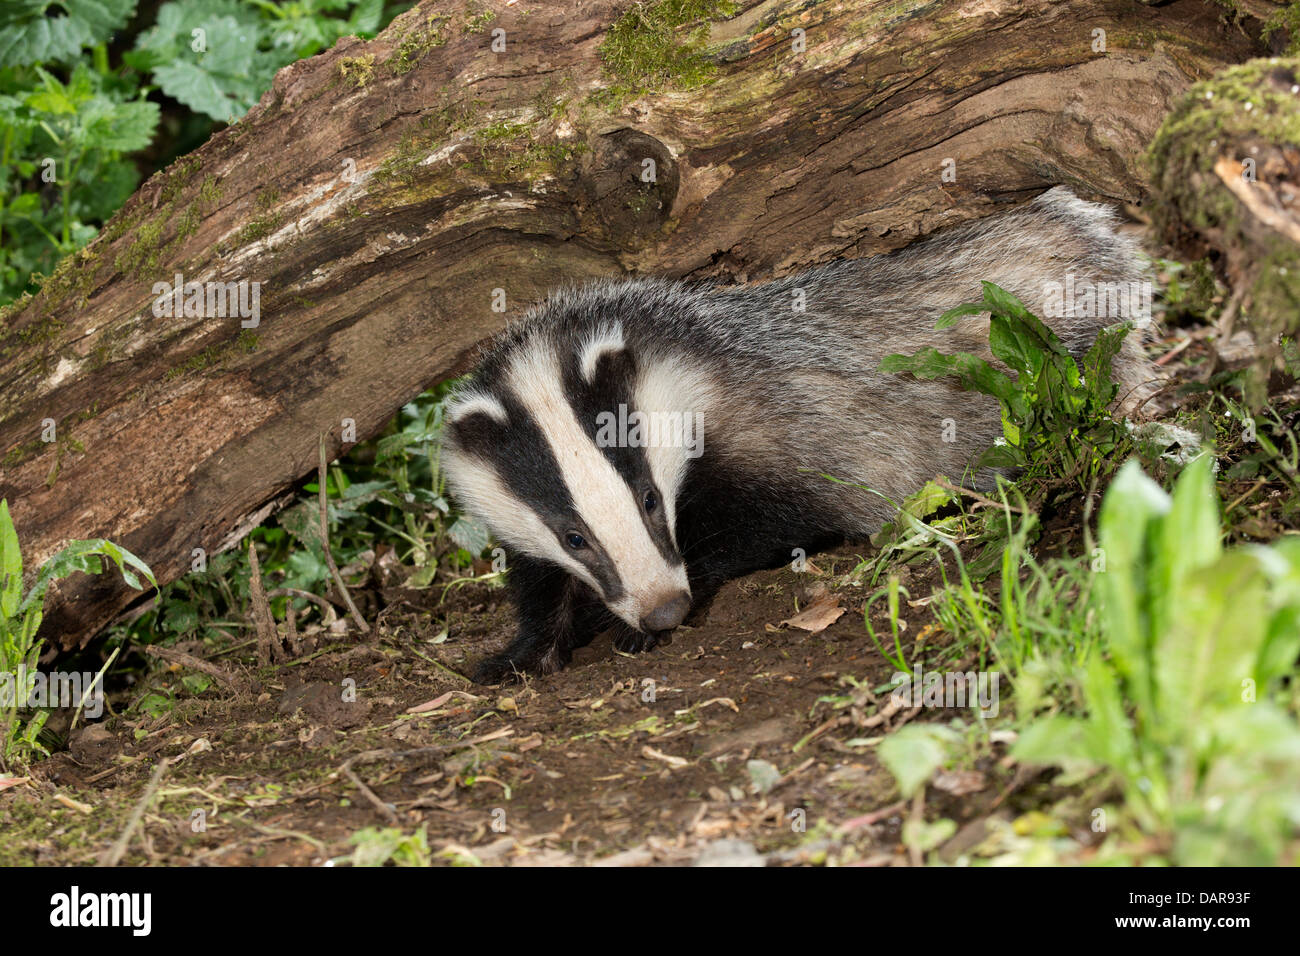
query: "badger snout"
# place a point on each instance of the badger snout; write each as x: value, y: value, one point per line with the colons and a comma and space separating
x: 668, y: 612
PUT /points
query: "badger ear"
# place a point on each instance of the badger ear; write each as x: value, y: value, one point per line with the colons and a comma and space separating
x: 469, y: 404
x: 604, y: 341
x: 474, y: 423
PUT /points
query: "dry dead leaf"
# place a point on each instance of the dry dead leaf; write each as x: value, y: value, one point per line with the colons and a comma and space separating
x: 824, y: 611
x: 725, y: 701
x: 431, y: 704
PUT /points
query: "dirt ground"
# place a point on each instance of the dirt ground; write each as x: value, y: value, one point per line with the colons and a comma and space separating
x: 745, y: 741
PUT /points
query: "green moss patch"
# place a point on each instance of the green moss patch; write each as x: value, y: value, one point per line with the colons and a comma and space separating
x: 358, y: 70
x: 660, y: 44
x: 416, y: 42
x: 246, y: 342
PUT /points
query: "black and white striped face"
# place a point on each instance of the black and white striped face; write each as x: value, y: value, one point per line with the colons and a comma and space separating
x: 526, y: 453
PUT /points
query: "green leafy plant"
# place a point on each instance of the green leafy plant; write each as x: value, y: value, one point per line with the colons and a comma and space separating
x: 376, y: 847
x: 80, y: 125
x: 388, y: 492
x: 219, y: 56
x: 20, y: 617
x: 37, y: 31
x: 1185, y: 714
x: 66, y: 127
x: 1054, y: 414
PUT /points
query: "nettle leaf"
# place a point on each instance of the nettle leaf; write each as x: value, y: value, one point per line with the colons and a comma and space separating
x: 227, y: 75
x: 121, y: 127
x: 366, y: 17
x: 42, y: 31
x: 469, y: 534
x: 173, y: 30
x: 222, y: 96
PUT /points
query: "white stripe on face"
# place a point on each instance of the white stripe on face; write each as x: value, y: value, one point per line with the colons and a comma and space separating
x: 600, y: 496
x: 481, y: 492
x: 669, y: 386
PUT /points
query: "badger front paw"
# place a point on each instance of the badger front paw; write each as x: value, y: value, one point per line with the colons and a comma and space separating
x: 520, y: 658
x: 497, y: 669
x: 631, y: 641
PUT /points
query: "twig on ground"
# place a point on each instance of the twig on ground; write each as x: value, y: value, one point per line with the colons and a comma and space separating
x: 325, y: 543
x: 214, y: 671
x: 99, y: 677
x: 267, y: 637
x: 115, y: 853
x: 367, y: 756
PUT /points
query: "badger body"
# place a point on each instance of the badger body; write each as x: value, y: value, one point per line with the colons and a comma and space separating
x: 634, y: 445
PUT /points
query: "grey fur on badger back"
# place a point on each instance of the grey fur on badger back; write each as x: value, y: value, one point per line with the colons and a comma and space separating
x: 622, y: 533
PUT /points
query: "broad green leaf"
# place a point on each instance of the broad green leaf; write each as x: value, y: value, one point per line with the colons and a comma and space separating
x: 85, y: 556
x: 971, y: 372
x: 923, y: 836
x: 1281, y: 647
x: 1001, y: 302
x: 123, y: 127
x: 1097, y: 364
x: 949, y: 318
x: 913, y: 753
x: 11, y: 565
x: 47, y: 31
x: 1015, y: 346
x: 928, y: 500
x: 366, y: 17
x: 1215, y: 628
x: 1055, y: 740
x: 1132, y: 505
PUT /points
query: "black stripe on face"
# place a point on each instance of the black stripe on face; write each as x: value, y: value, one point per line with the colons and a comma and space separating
x: 609, y: 390
x: 518, y: 453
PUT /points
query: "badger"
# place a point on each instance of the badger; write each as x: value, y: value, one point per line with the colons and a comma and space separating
x: 633, y: 445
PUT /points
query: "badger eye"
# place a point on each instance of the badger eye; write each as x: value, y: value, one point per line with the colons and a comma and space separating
x: 576, y: 541
x: 651, y: 501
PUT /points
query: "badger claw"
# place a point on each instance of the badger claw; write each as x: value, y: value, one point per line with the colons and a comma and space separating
x: 497, y: 669
x: 634, y: 642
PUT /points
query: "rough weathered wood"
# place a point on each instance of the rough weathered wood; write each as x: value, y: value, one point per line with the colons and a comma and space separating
x: 381, y: 192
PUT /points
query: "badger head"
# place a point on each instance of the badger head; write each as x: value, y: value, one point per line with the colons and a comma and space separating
x: 536, y: 448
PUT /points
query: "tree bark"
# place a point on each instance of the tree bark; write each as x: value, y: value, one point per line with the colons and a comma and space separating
x: 386, y: 195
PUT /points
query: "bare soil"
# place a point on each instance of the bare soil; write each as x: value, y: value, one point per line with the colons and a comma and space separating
x: 627, y: 760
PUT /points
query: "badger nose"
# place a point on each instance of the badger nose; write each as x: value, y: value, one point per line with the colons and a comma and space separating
x: 668, y: 614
